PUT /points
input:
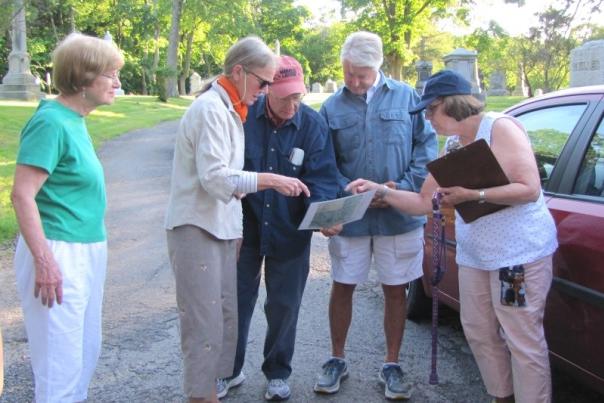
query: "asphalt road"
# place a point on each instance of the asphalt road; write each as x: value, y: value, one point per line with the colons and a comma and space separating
x: 141, y: 359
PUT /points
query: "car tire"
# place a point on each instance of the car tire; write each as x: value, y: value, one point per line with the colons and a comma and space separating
x: 419, y: 306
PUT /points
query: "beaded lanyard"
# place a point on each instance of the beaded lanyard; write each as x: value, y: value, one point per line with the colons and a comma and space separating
x: 439, y: 260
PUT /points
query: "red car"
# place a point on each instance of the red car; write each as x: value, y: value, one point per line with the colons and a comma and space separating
x: 567, y: 133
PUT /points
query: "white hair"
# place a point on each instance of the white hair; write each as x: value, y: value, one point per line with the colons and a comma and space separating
x: 363, y: 49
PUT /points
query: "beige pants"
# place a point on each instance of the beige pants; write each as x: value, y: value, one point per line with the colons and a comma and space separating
x: 205, y: 270
x: 508, y: 342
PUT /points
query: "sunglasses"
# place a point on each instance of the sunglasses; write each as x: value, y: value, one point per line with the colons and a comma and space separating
x: 261, y: 81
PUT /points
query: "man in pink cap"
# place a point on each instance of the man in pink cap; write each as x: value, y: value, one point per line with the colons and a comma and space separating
x: 282, y: 136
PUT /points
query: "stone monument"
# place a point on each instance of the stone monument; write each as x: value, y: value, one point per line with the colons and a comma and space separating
x: 19, y: 83
x: 424, y: 70
x: 463, y: 61
x: 316, y: 87
x: 195, y: 84
x: 109, y: 38
x: 587, y: 64
x: 497, y: 84
x: 330, y: 85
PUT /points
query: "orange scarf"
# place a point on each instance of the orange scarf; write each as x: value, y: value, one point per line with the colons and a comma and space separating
x: 231, y: 90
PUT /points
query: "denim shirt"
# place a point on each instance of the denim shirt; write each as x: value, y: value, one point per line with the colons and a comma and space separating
x: 271, y: 220
x: 381, y: 141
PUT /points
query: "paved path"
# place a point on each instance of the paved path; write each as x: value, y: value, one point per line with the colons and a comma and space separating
x: 141, y: 356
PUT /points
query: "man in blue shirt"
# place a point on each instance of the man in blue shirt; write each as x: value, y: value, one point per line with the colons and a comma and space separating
x: 375, y: 137
x: 282, y: 136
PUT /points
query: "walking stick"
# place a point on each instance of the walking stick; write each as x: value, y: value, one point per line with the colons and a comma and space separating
x: 439, y: 260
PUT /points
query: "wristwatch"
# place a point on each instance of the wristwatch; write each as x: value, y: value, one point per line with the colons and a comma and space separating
x: 482, y: 197
x: 381, y: 192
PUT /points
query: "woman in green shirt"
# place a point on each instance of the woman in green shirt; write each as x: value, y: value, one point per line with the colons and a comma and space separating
x: 59, y: 200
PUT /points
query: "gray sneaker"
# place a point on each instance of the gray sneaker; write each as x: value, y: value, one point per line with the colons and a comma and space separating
x: 395, y: 388
x: 277, y: 389
x: 224, y: 384
x: 335, y: 370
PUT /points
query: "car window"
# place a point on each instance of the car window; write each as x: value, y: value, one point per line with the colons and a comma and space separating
x: 590, y: 180
x: 549, y: 129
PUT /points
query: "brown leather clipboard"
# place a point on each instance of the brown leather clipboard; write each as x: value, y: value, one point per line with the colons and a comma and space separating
x: 474, y: 167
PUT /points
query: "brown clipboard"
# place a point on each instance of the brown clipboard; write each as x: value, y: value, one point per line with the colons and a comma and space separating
x: 474, y: 167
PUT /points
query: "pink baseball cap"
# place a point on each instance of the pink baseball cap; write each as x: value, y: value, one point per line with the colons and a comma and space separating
x: 289, y: 78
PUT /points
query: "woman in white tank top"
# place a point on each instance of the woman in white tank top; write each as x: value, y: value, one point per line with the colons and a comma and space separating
x: 504, y: 258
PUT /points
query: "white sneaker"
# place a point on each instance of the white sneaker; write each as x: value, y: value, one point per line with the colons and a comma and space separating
x: 277, y: 389
x: 224, y: 384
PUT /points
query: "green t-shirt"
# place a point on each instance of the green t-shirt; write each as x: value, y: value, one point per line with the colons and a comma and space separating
x: 72, y: 201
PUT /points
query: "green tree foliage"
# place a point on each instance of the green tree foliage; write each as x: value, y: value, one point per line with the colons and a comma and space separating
x: 544, y: 54
x: 320, y: 48
x: 494, y: 52
x: 401, y: 24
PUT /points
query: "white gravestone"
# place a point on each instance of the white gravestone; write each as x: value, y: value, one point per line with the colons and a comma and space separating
x: 195, y: 83
x: 587, y: 64
x: 330, y: 85
x: 316, y: 87
x: 19, y: 83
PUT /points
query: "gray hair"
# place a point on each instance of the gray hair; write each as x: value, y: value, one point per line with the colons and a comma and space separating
x: 363, y: 49
x: 251, y: 53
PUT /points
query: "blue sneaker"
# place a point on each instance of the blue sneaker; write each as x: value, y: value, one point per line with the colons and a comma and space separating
x: 391, y: 375
x: 335, y: 370
x: 224, y: 384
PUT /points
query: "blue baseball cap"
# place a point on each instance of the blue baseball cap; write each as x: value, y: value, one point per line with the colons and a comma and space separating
x: 443, y: 83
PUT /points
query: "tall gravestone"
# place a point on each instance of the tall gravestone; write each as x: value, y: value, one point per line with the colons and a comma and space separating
x: 424, y: 70
x: 330, y: 86
x: 19, y: 83
x: 463, y: 61
x: 587, y: 64
x: 497, y: 84
x: 195, y: 83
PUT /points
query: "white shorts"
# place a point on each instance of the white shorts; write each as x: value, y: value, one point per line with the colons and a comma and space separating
x: 398, y: 258
x: 65, y: 340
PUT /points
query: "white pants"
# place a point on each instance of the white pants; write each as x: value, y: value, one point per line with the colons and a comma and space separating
x: 65, y: 340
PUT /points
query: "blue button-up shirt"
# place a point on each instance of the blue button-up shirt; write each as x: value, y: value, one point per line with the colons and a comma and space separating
x: 271, y: 220
x: 381, y: 141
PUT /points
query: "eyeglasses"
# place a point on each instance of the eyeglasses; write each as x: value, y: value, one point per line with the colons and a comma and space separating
x: 292, y: 99
x: 115, y: 77
x: 432, y: 108
x: 261, y: 81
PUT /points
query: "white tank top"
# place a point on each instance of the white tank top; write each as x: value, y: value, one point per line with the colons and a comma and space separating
x: 515, y: 235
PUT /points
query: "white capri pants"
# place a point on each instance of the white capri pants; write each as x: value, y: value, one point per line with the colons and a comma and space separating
x: 65, y: 340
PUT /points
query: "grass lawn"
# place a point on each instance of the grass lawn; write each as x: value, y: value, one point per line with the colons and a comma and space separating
x: 127, y: 113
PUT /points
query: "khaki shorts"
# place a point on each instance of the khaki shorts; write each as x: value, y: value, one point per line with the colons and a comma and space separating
x: 397, y: 258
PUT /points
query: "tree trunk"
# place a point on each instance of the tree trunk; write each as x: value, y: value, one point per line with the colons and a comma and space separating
x: 395, y: 66
x: 172, y: 62
x: 144, y: 82
x: 156, y: 41
x: 72, y: 24
x: 186, y: 66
